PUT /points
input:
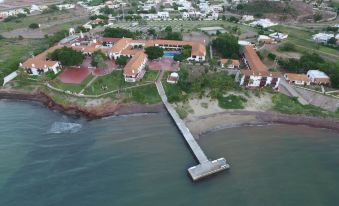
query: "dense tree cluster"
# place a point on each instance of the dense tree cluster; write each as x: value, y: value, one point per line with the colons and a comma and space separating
x: 214, y: 83
x: 227, y: 45
x: 66, y: 56
x: 154, y: 52
x: 118, y: 33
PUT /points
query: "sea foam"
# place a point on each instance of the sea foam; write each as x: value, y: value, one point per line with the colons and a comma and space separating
x: 64, y: 127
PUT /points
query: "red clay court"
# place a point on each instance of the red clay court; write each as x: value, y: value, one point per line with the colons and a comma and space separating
x: 74, y: 75
x: 165, y: 63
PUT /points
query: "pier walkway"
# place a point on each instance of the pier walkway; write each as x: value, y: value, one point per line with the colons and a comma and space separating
x: 205, y: 166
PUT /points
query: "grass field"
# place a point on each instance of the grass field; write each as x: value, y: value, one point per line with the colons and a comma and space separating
x: 115, y: 81
x: 302, y: 39
x: 14, y: 51
x: 147, y: 94
x: 71, y: 87
x: 40, y: 19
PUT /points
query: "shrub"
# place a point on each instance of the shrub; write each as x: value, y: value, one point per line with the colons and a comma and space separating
x: 34, y: 26
x: 231, y: 102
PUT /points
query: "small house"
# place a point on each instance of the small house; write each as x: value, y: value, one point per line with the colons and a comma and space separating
x: 298, y: 79
x: 173, y: 78
x: 230, y: 63
x: 318, y: 77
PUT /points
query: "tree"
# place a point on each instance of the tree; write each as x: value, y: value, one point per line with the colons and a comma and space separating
x: 332, y: 41
x: 154, y: 52
x: 168, y: 29
x: 121, y: 60
x: 152, y: 32
x: 317, y: 17
x: 66, y: 56
x: 174, y: 36
x: 227, y: 45
x: 99, y: 59
x: 34, y: 26
x: 118, y: 33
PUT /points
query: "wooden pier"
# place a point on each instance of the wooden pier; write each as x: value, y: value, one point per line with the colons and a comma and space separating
x: 205, y: 166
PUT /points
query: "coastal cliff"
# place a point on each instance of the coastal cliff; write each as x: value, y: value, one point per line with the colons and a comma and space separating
x: 199, y: 125
x: 104, y: 110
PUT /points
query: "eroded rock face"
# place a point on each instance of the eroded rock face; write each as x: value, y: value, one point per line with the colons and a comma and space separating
x: 93, y: 112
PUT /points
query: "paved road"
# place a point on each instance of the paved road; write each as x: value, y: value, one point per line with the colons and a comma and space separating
x: 292, y: 91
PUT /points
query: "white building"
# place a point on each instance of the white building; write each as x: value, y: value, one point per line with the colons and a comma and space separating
x: 247, y: 18
x: 263, y: 23
x: 318, y: 77
x: 259, y: 79
x: 66, y: 6
x: 279, y: 36
x: 322, y: 37
x: 163, y: 15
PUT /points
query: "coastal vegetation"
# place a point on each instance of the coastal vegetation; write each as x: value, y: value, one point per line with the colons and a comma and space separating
x: 212, y: 84
x: 290, y: 105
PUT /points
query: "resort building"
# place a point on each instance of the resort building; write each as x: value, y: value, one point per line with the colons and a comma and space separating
x: 114, y: 48
x: 259, y: 79
x: 257, y: 74
x: 40, y: 64
x: 298, y: 79
x: 318, y: 77
x: 134, y: 69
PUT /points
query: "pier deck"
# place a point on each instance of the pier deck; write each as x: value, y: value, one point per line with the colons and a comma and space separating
x: 206, y: 167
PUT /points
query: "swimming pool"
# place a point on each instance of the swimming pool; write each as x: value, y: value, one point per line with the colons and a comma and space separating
x: 170, y: 54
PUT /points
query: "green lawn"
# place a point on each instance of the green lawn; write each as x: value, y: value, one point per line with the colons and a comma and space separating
x: 112, y: 81
x: 147, y: 94
x: 232, y: 102
x: 71, y: 87
x: 150, y: 76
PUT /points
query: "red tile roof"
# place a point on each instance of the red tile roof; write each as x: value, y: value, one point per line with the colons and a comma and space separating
x: 253, y: 60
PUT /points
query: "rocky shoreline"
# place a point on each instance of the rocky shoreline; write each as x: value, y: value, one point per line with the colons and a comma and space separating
x: 238, y: 118
x: 198, y: 126
x: 112, y: 109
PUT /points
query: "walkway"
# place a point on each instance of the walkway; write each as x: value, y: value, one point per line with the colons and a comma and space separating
x: 292, y: 91
x: 206, y: 167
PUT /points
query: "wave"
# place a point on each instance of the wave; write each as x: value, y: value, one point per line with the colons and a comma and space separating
x: 64, y: 127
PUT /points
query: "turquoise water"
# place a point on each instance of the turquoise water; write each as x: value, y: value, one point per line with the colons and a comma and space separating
x: 51, y: 159
x: 170, y: 54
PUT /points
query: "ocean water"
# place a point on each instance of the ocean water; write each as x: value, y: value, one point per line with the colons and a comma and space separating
x: 50, y: 159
